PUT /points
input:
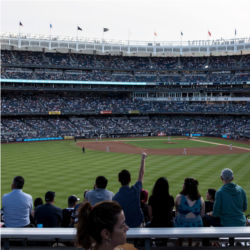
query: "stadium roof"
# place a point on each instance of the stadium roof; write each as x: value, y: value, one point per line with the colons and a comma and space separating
x: 132, y: 48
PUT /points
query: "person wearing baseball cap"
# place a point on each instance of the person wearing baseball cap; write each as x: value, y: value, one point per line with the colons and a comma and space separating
x: 68, y: 220
x: 230, y: 201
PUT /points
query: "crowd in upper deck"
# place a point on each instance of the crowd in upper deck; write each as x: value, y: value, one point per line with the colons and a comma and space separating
x: 43, y: 103
x: 81, y: 67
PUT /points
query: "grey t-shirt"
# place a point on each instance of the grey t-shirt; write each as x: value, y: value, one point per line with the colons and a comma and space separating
x: 99, y: 194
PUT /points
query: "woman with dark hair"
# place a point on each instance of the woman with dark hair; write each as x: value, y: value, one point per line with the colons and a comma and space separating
x: 161, y: 205
x: 189, y: 205
x: 101, y: 226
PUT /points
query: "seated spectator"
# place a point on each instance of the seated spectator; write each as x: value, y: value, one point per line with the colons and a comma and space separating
x: 17, y: 205
x: 129, y: 197
x: 190, y: 206
x: 144, y: 205
x: 48, y: 214
x: 101, y: 226
x: 230, y: 202
x: 99, y: 193
x: 161, y: 205
x: 37, y: 202
x: 208, y: 219
x: 67, y: 219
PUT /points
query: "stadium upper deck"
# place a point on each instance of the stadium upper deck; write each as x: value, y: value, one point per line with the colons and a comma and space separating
x: 220, y: 47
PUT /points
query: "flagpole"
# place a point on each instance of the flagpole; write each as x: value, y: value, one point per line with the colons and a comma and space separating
x: 181, y: 41
x: 128, y: 36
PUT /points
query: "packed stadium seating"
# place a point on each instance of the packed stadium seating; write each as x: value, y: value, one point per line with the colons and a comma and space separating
x: 72, y: 109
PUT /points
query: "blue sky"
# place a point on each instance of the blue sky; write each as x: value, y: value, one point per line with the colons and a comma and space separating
x: 129, y: 19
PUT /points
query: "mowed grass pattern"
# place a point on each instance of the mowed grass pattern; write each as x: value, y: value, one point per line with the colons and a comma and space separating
x: 61, y: 166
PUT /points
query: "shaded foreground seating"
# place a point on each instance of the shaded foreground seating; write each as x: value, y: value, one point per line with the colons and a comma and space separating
x: 59, y: 235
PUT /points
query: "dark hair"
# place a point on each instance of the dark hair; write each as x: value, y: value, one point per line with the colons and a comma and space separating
x: 50, y: 196
x: 18, y: 182
x: 92, y: 220
x: 211, y: 192
x: 124, y: 177
x: 161, y: 188
x: 101, y: 182
x: 38, y: 201
x: 190, y: 188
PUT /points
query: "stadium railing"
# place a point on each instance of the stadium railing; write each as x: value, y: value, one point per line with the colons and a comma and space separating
x: 241, y: 234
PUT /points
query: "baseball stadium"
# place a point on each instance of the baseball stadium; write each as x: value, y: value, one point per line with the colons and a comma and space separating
x: 74, y: 110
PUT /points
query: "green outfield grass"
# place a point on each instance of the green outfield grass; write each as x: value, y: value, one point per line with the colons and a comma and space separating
x: 61, y: 166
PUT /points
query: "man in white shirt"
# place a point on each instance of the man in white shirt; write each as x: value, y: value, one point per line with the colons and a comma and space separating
x: 17, y: 205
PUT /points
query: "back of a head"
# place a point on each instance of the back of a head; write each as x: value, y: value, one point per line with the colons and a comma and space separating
x: 101, y: 182
x: 38, y: 201
x: 227, y: 174
x: 161, y: 188
x: 211, y: 192
x: 124, y: 177
x: 72, y: 200
x: 92, y: 220
x: 190, y: 188
x: 50, y: 196
x: 18, y: 182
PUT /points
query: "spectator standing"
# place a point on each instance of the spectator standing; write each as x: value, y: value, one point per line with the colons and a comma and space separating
x: 161, y: 205
x: 17, y: 205
x: 99, y: 193
x: 48, y: 214
x: 129, y: 197
x: 230, y: 201
x: 67, y: 218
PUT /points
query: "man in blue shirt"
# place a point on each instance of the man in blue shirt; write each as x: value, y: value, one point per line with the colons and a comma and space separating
x: 129, y: 197
x: 17, y: 205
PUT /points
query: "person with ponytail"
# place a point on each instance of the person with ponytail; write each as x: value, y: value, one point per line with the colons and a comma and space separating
x: 101, y: 227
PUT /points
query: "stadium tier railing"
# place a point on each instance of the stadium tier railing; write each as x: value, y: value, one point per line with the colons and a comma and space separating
x: 232, y: 46
x: 241, y: 234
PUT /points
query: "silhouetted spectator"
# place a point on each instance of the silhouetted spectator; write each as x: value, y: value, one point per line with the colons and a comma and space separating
x: 161, y: 205
x: 67, y: 219
x: 48, y: 215
x: 129, y: 197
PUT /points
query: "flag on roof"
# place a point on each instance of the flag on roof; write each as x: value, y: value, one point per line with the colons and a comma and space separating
x: 20, y: 24
x: 181, y: 33
x: 79, y: 28
x: 155, y: 34
x: 50, y: 26
x: 105, y: 29
x: 209, y: 33
x: 235, y: 32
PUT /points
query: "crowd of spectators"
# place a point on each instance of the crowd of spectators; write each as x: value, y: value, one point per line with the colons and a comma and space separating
x: 122, y: 104
x: 100, y: 208
x: 91, y: 127
x: 104, y: 75
x: 122, y: 62
x: 81, y: 67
